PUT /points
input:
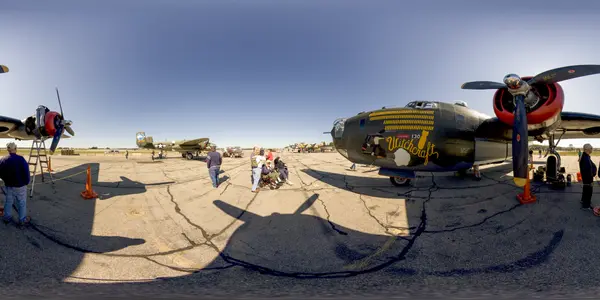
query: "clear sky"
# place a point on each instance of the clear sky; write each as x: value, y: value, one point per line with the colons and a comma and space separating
x: 275, y: 72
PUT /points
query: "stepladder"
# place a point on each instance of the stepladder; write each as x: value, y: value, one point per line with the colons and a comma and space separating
x: 38, y: 156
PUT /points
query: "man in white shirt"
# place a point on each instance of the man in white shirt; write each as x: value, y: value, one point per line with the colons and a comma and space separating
x: 259, y: 161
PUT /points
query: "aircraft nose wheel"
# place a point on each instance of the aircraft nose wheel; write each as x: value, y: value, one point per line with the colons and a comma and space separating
x: 400, y: 181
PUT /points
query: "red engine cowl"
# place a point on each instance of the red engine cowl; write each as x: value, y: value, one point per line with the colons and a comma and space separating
x: 51, y: 122
x: 543, y: 114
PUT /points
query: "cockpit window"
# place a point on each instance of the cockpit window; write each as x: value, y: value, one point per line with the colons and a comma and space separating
x: 338, y: 126
x: 421, y: 104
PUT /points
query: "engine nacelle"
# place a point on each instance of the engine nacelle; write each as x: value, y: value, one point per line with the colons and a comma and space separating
x: 52, y: 122
x: 545, y: 100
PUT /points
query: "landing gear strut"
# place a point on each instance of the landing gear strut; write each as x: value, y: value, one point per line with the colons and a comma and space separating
x: 555, y: 174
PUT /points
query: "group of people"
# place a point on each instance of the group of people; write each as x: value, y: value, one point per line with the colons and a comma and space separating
x: 273, y: 171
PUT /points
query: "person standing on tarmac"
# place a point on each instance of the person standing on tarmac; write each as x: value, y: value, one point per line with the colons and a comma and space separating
x: 253, y: 164
x: 14, y: 171
x: 213, y: 162
x: 257, y: 164
x: 588, y: 171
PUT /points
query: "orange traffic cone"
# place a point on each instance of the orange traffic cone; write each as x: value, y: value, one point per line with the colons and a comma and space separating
x: 526, y: 197
x: 89, y: 193
x: 50, y: 164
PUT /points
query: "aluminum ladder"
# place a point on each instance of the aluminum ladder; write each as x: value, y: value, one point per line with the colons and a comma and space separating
x: 38, y: 155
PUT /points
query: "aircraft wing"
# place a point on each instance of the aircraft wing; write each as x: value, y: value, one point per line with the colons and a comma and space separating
x: 193, y: 142
x: 579, y: 126
x: 7, y: 125
x: 575, y: 126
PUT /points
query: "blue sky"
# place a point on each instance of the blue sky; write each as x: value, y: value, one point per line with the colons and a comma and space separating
x: 275, y: 72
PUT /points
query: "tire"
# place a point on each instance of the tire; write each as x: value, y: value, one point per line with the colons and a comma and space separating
x: 400, y: 181
x: 190, y: 156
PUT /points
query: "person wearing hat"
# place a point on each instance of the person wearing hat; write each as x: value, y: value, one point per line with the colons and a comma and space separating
x: 588, y: 171
x: 14, y: 171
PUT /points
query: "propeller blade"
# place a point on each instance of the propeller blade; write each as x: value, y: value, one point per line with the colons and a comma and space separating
x: 326, y: 132
x: 564, y: 73
x: 56, y: 138
x: 482, y: 85
x: 59, y: 104
x: 69, y: 130
x: 520, y: 142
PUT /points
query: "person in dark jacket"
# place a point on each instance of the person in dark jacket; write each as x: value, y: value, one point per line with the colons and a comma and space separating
x: 588, y: 171
x: 283, y: 171
x: 213, y: 163
x: 14, y: 171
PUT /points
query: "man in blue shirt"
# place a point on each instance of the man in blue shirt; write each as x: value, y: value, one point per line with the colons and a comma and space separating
x: 213, y: 162
x: 14, y: 171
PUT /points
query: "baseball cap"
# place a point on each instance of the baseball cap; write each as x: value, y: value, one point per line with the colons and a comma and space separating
x: 587, y: 147
x: 11, y: 146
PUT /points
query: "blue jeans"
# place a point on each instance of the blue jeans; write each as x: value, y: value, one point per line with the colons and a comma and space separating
x: 256, y: 175
x: 214, y: 175
x: 12, y: 194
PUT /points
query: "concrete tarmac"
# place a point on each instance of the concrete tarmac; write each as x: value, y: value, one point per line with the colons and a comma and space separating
x: 160, y: 228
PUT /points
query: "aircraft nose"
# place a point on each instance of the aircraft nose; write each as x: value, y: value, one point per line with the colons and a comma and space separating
x: 337, y: 135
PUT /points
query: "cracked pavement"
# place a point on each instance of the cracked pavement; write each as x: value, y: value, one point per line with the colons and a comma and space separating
x: 160, y: 228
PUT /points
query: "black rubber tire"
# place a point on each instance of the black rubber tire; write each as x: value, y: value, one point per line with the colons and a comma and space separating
x: 400, y: 181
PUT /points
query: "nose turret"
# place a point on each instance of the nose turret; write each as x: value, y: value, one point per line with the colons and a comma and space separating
x: 337, y: 135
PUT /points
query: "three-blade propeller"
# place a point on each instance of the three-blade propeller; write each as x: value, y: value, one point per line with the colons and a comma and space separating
x: 519, y: 88
x: 61, y: 125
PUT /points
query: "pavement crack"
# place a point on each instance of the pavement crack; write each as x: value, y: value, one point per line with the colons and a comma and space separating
x: 476, y: 224
x: 384, y: 226
x: 328, y: 218
x: 186, y: 270
x: 189, y: 239
x: 178, y: 211
x: 225, y: 189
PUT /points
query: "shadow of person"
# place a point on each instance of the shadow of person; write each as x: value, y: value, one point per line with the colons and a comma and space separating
x: 223, y: 179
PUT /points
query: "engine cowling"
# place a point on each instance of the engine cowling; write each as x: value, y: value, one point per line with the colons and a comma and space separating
x: 52, y: 122
x: 547, y: 102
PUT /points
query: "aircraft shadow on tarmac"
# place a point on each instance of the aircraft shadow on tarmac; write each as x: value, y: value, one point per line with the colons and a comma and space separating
x: 381, y: 186
x: 60, y: 216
